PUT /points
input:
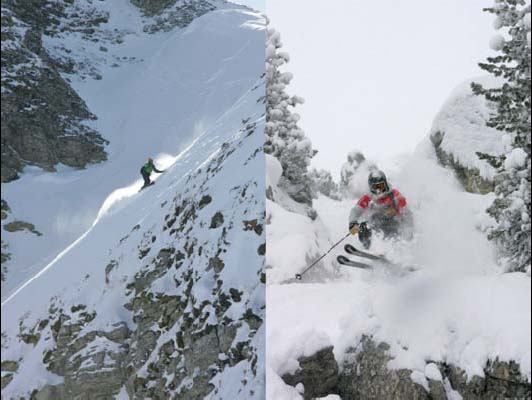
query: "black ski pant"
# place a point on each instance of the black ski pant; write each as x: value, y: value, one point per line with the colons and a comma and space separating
x: 145, y: 176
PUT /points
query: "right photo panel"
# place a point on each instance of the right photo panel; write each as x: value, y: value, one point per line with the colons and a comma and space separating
x: 398, y: 143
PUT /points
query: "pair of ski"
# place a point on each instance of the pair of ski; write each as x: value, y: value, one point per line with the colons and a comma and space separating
x: 145, y: 186
x: 349, y: 249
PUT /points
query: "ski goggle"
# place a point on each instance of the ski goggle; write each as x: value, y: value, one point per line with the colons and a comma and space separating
x: 379, y: 187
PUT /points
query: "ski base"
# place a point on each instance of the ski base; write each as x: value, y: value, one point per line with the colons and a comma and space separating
x: 350, y: 263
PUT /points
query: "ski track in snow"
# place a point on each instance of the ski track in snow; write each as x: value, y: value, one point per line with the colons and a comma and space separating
x: 113, y: 199
x: 457, y: 308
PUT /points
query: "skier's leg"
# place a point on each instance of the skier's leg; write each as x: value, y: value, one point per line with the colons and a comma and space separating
x: 146, y: 177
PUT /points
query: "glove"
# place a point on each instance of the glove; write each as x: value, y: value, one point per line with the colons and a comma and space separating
x: 353, y: 228
x: 392, y: 211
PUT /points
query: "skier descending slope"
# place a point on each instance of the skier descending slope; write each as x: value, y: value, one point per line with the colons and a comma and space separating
x: 146, y: 171
x: 384, y: 210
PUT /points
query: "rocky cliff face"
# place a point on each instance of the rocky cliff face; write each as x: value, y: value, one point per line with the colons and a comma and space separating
x: 364, y: 374
x: 44, y: 121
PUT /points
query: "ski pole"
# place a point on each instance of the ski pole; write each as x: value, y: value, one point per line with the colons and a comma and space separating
x: 300, y: 276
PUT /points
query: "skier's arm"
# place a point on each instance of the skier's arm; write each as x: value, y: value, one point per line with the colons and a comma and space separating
x: 156, y: 170
x: 358, y: 210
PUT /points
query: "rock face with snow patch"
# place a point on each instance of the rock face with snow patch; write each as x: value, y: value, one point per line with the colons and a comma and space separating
x: 44, y: 121
x: 170, y: 14
x: 365, y: 374
x: 318, y: 373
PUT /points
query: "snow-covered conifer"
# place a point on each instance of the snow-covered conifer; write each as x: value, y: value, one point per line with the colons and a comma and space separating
x: 323, y: 183
x: 284, y: 139
x: 512, y: 101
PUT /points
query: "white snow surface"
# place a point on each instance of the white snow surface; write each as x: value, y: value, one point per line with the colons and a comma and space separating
x: 462, y: 121
x: 189, y: 96
x: 157, y: 94
x: 456, y: 308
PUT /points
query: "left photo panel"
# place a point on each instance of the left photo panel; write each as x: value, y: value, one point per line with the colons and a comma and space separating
x: 133, y: 199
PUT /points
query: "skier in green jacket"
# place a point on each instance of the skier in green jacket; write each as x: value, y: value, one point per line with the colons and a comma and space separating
x: 146, y: 171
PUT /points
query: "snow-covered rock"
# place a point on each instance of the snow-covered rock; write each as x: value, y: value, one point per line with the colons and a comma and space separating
x: 459, y: 132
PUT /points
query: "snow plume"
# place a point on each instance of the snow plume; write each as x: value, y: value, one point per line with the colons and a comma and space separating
x: 284, y: 139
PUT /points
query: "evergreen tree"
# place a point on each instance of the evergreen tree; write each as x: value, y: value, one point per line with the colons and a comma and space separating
x: 284, y: 139
x: 512, y: 101
x: 323, y: 182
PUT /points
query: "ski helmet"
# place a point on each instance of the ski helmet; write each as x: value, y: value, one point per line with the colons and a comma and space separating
x: 377, y: 182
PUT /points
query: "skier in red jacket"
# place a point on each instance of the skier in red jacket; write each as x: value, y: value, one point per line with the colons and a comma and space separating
x: 383, y: 209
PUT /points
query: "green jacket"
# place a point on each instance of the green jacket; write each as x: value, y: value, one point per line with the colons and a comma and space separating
x: 149, y: 168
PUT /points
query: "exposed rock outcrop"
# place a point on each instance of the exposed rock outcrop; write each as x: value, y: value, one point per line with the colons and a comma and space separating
x: 318, y: 374
x: 364, y: 374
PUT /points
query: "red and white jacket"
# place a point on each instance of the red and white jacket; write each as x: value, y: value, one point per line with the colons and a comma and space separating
x: 391, y: 203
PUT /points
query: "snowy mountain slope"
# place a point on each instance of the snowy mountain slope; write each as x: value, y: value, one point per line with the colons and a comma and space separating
x: 152, y: 94
x: 164, y: 294
x: 453, y: 328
